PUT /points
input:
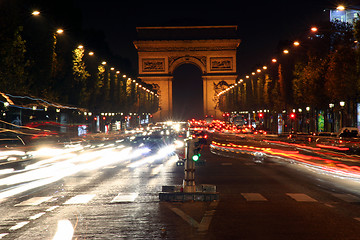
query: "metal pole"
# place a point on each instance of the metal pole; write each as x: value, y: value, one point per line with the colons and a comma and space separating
x: 189, y: 180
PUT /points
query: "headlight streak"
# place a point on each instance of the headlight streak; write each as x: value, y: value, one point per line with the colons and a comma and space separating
x: 161, y: 154
x: 56, y: 168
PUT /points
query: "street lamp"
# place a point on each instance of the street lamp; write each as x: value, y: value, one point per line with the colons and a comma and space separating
x: 340, y: 8
x: 286, y: 51
x: 60, y: 31
x: 331, y: 106
x: 314, y: 29
x: 296, y: 43
x: 35, y: 13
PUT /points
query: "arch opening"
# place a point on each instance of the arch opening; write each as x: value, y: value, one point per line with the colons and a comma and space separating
x: 187, y: 92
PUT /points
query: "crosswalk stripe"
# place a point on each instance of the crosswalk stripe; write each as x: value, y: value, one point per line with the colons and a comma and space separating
x: 34, y: 201
x: 301, y: 197
x: 18, y: 225
x: 36, y: 216
x: 122, y: 198
x: 3, y: 235
x: 346, y: 197
x: 253, y: 197
x: 80, y: 199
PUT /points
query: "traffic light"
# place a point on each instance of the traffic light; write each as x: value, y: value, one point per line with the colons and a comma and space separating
x: 194, y: 150
x: 292, y: 115
x: 261, y: 115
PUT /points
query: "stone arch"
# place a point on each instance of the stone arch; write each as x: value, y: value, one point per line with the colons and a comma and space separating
x: 187, y: 60
x: 210, y: 48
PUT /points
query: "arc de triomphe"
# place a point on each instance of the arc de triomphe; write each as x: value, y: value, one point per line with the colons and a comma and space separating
x: 211, y: 48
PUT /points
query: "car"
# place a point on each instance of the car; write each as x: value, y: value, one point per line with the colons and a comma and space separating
x: 349, y: 132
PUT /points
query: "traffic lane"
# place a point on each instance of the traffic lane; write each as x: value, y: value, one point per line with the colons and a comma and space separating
x: 137, y: 212
x: 330, y: 162
x: 272, y: 201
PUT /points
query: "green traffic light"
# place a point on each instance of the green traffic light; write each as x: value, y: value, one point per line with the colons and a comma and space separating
x: 195, y: 157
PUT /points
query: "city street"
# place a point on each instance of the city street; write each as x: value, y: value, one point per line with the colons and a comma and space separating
x: 118, y: 199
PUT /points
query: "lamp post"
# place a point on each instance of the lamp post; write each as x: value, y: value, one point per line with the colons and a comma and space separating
x: 59, y: 31
x: 332, y: 120
x: 342, y: 104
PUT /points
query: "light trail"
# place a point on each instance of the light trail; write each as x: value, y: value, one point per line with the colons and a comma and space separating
x: 320, y: 162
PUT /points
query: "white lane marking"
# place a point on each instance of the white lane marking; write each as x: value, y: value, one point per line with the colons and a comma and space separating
x: 51, y: 208
x: 206, y: 220
x: 36, y: 216
x: 3, y: 235
x: 226, y: 164
x: 346, y: 197
x: 253, y: 197
x: 122, y: 198
x: 18, y: 225
x: 34, y: 201
x: 65, y: 230
x: 185, y: 217
x: 329, y: 205
x: 109, y: 167
x: 301, y: 197
x: 80, y: 199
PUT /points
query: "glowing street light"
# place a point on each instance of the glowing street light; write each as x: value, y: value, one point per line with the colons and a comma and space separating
x: 286, y: 51
x: 314, y: 29
x: 340, y: 8
x: 274, y: 60
x: 35, y: 13
x: 91, y: 53
x: 103, y: 63
x: 60, y: 31
x: 80, y: 47
x: 296, y: 43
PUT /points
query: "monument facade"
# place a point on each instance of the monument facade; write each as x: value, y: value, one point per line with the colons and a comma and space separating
x: 210, y: 48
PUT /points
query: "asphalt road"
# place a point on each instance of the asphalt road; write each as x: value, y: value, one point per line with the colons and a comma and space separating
x: 258, y: 200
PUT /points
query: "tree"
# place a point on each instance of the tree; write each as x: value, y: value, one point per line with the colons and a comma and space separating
x: 80, y: 77
x: 308, y: 82
x: 341, y: 76
x: 13, y: 71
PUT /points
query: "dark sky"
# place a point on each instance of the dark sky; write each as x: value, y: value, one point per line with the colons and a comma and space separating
x: 261, y: 23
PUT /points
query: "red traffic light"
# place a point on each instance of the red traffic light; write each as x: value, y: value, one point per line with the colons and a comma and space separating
x: 95, y: 118
x: 292, y: 115
x: 261, y: 115
x: 104, y: 118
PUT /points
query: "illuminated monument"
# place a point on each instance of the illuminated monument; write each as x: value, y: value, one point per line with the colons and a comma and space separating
x: 210, y: 48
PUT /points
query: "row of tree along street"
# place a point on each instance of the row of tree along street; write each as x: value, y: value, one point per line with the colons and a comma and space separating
x: 317, y: 78
x: 64, y: 65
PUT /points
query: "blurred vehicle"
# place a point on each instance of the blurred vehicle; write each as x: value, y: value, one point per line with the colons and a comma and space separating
x: 349, y: 132
x: 13, y: 152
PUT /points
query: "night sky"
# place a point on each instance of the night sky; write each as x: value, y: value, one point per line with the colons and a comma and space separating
x: 261, y: 24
